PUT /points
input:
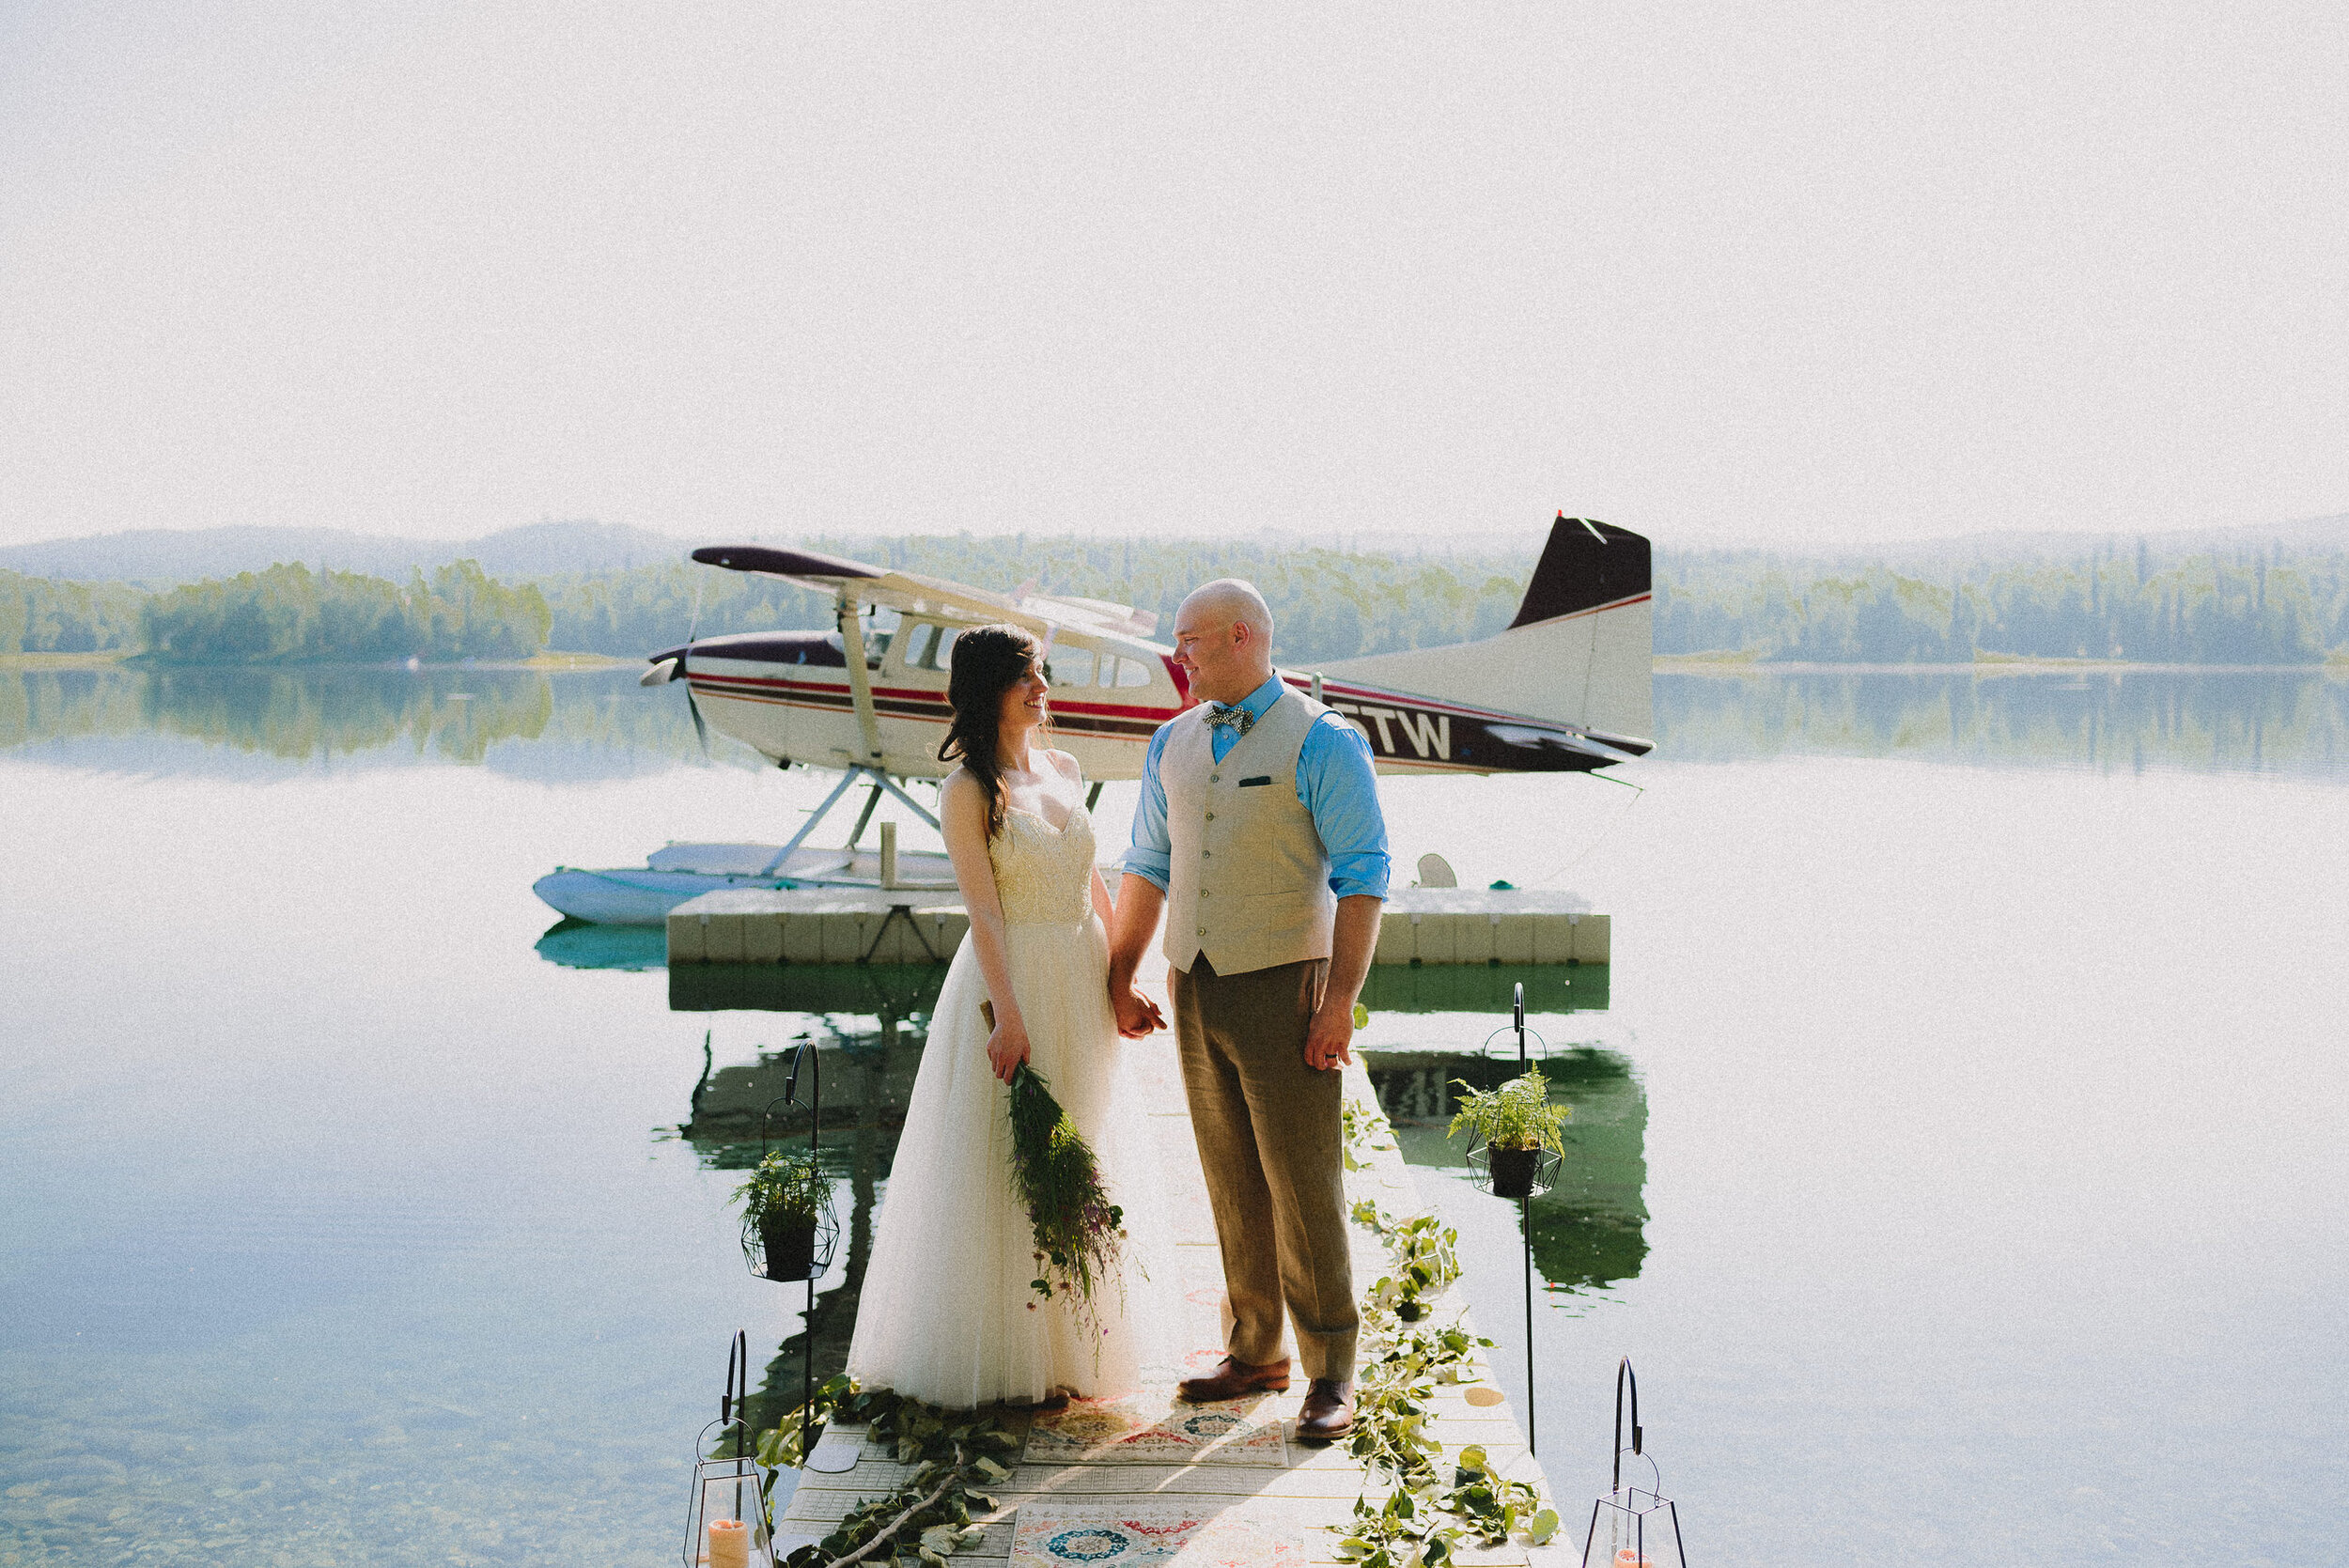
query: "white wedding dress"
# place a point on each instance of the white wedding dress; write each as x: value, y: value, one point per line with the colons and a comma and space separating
x: 946, y: 1312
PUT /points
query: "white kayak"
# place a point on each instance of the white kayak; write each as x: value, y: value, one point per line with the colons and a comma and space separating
x: 644, y: 895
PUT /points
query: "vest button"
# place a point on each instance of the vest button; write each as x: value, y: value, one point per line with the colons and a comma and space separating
x: 1214, y: 777
x: 1210, y: 817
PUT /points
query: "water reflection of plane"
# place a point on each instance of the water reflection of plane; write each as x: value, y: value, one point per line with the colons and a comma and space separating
x: 1589, y: 1231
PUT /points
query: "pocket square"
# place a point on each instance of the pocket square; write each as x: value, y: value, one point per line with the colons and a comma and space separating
x: 1259, y: 779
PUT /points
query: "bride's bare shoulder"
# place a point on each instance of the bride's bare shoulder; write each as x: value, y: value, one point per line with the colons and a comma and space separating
x: 958, y: 791
x: 1071, y: 769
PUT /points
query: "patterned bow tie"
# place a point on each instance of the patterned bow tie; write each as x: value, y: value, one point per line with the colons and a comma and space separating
x: 1238, y: 717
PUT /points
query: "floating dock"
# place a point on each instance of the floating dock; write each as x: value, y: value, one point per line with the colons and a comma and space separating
x: 1262, y: 1497
x: 889, y: 925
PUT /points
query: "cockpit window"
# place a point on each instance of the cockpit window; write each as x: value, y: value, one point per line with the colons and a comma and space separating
x: 921, y: 645
x: 1131, y: 672
x: 1071, y: 665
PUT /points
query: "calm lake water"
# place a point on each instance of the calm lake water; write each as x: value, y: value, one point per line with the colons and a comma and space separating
x: 1958, y: 1136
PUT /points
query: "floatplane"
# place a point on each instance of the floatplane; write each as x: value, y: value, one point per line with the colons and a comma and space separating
x: 1565, y: 688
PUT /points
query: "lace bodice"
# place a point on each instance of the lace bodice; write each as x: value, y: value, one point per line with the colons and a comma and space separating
x: 1044, y: 878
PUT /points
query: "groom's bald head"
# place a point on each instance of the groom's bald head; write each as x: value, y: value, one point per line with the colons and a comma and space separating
x: 1224, y: 639
x: 1229, y: 601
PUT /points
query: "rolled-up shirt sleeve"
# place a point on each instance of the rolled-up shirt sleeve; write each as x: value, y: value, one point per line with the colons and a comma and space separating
x: 1152, y: 855
x: 1338, y: 783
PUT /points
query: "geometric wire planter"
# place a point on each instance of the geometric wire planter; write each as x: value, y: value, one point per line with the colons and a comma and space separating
x: 789, y: 1254
x: 1538, y: 1174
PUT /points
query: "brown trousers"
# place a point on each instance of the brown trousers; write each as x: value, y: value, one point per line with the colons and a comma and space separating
x: 1271, y: 1144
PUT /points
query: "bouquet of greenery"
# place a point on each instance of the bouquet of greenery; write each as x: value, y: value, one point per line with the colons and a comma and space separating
x: 1080, y: 1234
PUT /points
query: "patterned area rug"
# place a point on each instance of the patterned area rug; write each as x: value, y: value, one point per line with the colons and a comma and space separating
x: 1153, y: 1428
x: 1075, y: 1535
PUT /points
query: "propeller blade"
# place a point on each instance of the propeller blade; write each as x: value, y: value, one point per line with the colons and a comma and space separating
x: 685, y: 659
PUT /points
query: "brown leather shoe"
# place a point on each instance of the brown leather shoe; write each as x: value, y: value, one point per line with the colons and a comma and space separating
x: 1327, y: 1413
x: 1231, y: 1379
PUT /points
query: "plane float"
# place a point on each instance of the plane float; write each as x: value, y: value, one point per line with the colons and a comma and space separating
x: 1563, y: 688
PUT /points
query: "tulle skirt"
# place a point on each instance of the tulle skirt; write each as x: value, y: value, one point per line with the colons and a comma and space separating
x: 946, y: 1312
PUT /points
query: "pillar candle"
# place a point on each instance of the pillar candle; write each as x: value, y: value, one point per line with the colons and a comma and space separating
x: 729, y: 1544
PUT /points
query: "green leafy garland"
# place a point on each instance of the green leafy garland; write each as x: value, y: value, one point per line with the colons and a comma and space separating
x: 956, y: 1457
x: 1421, y: 1519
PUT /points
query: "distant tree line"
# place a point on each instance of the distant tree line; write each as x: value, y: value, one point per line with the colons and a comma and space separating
x: 40, y: 615
x: 2253, y: 609
x: 2204, y: 610
x: 287, y: 614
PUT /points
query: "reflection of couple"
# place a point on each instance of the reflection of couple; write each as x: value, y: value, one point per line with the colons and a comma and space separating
x: 1259, y: 834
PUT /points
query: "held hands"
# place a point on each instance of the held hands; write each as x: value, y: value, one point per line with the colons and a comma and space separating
x: 1137, y: 1014
x: 1008, y: 1048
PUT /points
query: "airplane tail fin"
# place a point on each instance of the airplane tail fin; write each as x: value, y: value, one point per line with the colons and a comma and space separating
x: 1578, y: 653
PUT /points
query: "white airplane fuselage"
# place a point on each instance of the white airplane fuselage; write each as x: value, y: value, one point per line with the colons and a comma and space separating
x: 787, y: 694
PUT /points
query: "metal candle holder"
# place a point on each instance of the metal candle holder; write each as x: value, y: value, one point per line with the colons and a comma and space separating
x: 1629, y: 1510
x: 726, y: 1485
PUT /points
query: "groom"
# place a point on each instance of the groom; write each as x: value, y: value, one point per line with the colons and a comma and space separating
x: 1259, y: 832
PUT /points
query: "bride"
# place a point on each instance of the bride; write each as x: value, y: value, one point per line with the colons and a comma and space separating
x: 946, y: 1312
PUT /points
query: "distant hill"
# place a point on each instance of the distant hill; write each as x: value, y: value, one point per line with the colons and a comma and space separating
x: 164, y: 555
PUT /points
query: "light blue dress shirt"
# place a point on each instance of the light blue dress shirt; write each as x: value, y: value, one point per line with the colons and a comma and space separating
x: 1336, y: 782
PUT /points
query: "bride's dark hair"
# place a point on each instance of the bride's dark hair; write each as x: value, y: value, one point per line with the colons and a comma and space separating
x: 987, y: 660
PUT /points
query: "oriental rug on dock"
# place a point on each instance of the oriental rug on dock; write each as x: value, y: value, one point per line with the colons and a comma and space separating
x: 1153, y: 1428
x: 1148, y: 1535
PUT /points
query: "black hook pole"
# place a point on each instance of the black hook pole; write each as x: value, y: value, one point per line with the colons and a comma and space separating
x: 1625, y: 1375
x: 1525, y: 1223
x: 807, y: 1054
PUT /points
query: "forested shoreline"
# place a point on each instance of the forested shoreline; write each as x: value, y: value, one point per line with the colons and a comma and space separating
x: 2250, y: 608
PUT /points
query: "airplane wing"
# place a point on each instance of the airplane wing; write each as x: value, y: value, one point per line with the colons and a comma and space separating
x: 909, y: 593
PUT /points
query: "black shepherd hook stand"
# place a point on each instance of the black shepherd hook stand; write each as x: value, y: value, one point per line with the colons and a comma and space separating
x: 1525, y: 1224
x: 727, y: 1491
x: 814, y: 1104
x: 1544, y: 1173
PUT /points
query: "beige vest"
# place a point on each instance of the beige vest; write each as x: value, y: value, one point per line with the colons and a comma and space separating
x: 1250, y: 884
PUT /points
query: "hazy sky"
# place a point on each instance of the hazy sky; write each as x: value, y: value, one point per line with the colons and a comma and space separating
x: 1800, y: 270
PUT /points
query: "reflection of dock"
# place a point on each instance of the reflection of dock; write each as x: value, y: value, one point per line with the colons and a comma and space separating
x: 1422, y: 927
x: 1277, y: 1487
x: 1590, y: 1229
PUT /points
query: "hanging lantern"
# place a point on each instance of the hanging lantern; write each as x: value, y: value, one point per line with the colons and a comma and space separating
x: 1632, y: 1527
x: 726, y: 1522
